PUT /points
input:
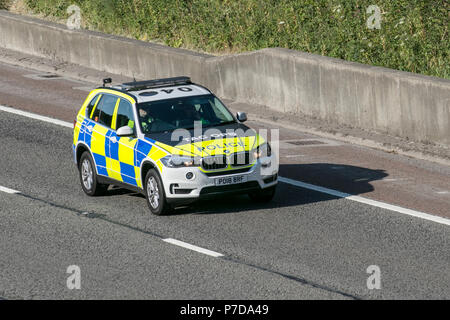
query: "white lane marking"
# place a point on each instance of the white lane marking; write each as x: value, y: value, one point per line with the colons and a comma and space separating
x: 300, y: 184
x: 192, y: 247
x: 442, y: 192
x: 370, y: 202
x: 8, y: 190
x: 295, y: 155
x: 394, y: 179
x: 36, y: 116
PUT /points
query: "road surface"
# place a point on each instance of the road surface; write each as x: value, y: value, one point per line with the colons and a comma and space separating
x: 314, y: 241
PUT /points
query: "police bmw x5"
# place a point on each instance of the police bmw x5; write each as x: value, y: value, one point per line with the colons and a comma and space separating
x: 173, y: 141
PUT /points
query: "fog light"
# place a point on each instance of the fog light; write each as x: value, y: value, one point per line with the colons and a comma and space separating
x: 266, y: 163
x: 189, y: 175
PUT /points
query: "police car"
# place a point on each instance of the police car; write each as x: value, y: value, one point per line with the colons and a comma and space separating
x: 172, y: 140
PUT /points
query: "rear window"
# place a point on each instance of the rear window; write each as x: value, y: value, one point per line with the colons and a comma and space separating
x: 91, y: 105
x: 104, y: 111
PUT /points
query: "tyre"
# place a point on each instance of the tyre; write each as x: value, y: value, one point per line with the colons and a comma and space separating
x: 88, y: 176
x: 154, y: 192
x: 264, y: 195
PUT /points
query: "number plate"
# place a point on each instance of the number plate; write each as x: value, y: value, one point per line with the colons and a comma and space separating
x: 230, y: 180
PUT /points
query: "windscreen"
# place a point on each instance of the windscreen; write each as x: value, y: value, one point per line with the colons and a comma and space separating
x: 181, y: 113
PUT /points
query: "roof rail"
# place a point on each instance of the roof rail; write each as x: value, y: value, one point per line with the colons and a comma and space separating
x: 148, y: 84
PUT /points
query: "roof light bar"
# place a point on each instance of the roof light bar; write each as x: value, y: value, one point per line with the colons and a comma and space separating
x: 148, y: 84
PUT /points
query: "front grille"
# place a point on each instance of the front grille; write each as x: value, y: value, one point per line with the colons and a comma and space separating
x: 224, y: 173
x: 246, y: 186
x: 214, y: 162
x: 241, y: 159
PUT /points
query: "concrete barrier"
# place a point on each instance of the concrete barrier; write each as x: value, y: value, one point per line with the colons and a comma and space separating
x: 373, y: 98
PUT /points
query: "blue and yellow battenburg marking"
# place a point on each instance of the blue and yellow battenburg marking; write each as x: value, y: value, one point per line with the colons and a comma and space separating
x: 115, y: 157
x: 119, y: 158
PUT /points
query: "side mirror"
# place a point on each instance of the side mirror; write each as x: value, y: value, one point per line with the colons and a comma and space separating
x: 241, y: 116
x: 125, y: 131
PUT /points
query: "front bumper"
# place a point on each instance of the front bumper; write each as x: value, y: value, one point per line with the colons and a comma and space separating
x: 202, y: 185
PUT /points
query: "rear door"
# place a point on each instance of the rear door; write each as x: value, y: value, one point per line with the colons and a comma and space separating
x: 123, y: 149
x: 98, y: 132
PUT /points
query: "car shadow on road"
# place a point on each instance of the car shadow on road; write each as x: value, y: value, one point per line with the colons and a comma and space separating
x: 344, y: 178
x: 118, y: 191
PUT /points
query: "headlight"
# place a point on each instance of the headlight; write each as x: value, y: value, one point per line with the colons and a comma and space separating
x: 262, y: 151
x: 174, y: 161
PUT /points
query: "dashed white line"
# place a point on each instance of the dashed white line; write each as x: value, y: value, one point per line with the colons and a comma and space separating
x: 8, y: 190
x: 192, y: 247
x: 370, y: 202
x: 394, y: 179
x: 168, y: 240
x: 36, y: 116
x: 297, y: 183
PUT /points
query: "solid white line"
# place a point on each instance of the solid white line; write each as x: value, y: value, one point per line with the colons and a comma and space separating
x: 192, y: 247
x: 8, y: 190
x: 36, y: 116
x: 295, y: 155
x: 300, y: 184
x: 370, y: 202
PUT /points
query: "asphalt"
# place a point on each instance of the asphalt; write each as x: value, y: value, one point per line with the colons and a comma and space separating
x: 303, y: 245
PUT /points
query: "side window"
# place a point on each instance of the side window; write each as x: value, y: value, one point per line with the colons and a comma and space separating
x: 105, y: 110
x: 219, y: 111
x: 96, y: 113
x: 91, y: 105
x: 125, y: 115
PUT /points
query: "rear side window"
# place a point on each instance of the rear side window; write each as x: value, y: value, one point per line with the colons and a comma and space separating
x: 91, y: 105
x: 105, y: 109
x: 96, y: 113
x: 125, y: 115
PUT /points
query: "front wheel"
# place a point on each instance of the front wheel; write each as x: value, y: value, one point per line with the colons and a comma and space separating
x: 264, y: 195
x: 154, y: 193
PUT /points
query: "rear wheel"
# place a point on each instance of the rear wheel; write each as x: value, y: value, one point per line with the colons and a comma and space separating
x: 88, y: 176
x: 264, y: 195
x: 155, y: 195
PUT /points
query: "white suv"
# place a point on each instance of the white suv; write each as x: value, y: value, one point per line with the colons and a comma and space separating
x: 173, y: 141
